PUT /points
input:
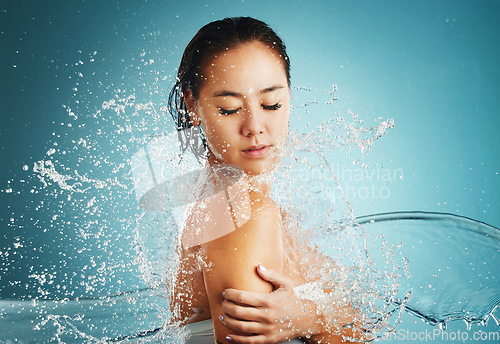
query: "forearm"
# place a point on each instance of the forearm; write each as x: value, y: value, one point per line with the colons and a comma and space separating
x: 309, y: 321
x: 322, y: 322
x: 330, y: 335
x: 315, y: 329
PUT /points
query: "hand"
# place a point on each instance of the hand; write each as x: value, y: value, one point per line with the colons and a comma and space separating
x: 266, y: 317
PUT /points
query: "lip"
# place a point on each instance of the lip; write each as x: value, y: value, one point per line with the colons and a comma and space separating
x: 256, y: 152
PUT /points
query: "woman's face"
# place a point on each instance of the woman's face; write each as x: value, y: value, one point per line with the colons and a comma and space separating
x: 244, y: 106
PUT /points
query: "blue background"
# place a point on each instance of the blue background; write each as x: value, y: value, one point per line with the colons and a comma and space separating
x: 432, y: 66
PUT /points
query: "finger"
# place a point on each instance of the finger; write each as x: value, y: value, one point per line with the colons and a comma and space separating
x: 241, y: 312
x: 243, y: 327
x: 276, y: 278
x: 248, y: 298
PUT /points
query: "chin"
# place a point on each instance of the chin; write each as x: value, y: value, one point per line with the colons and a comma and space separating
x: 263, y: 166
x: 257, y: 169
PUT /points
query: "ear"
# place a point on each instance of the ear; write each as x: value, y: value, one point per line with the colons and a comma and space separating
x: 190, y: 103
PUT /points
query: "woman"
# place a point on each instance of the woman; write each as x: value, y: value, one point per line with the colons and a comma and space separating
x: 234, y: 87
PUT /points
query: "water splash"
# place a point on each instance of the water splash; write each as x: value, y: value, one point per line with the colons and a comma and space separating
x: 461, y: 258
x: 85, y: 187
x: 135, y: 316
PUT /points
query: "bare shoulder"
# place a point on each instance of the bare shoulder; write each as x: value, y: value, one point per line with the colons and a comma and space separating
x: 234, y: 257
x: 262, y: 205
x: 263, y: 225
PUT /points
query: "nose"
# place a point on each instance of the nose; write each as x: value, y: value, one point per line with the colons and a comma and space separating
x: 253, y: 122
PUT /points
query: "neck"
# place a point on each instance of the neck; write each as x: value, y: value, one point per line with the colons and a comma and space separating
x: 260, y: 182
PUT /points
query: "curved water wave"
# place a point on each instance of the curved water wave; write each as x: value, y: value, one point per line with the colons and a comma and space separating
x: 453, y: 263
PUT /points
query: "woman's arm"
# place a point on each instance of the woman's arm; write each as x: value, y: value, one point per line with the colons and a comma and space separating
x: 285, y: 315
x: 231, y: 261
x: 280, y: 314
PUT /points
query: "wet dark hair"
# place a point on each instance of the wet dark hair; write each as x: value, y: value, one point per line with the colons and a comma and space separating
x: 211, y: 40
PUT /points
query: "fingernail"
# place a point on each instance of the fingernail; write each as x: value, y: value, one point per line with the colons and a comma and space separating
x: 224, y: 294
x: 262, y: 268
x: 221, y: 318
x: 229, y: 339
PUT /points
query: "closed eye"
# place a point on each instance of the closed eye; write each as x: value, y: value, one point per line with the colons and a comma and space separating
x: 272, y: 107
x: 228, y: 112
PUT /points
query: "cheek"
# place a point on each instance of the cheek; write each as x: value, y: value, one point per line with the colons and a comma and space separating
x: 281, y: 123
x: 216, y: 132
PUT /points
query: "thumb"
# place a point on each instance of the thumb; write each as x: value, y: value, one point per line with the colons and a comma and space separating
x: 279, y: 280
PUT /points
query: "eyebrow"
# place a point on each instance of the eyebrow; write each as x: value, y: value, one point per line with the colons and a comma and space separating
x: 236, y: 94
